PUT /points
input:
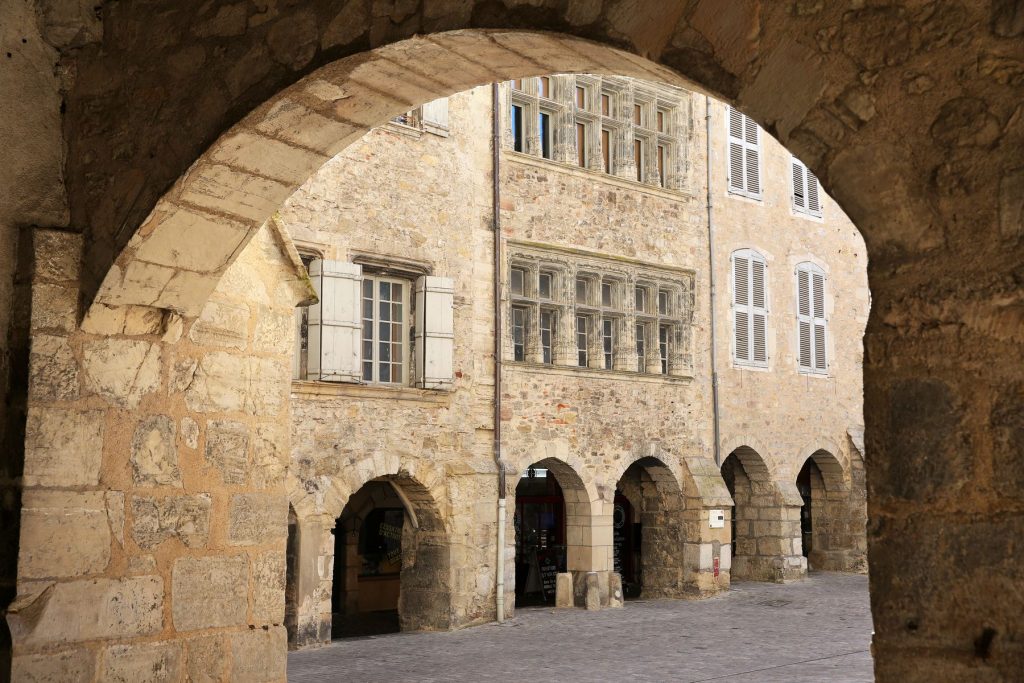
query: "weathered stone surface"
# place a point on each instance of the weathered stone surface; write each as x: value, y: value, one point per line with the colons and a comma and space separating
x: 224, y: 382
x: 275, y: 332
x: 154, y: 453
x: 222, y: 324
x: 255, y: 655
x: 563, y: 590
x: 69, y: 532
x: 207, y: 659
x: 54, y: 308
x: 83, y: 610
x: 257, y: 518
x: 268, y: 578
x: 186, y: 518
x: 115, y: 513
x: 190, y: 432
x: 141, y: 564
x: 121, y: 371
x: 63, y: 447
x: 227, y: 449
x: 1011, y: 205
x: 269, y: 456
x: 142, y: 663
x: 54, y: 370
x: 69, y: 666
x: 208, y: 592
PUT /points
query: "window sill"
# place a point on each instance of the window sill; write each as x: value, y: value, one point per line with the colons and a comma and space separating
x: 311, y: 388
x: 736, y: 194
x: 751, y: 366
x: 619, y: 375
x: 809, y: 215
x: 403, y: 129
x: 812, y: 373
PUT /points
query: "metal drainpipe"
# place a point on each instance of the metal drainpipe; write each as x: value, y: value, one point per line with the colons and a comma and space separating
x: 499, y: 599
x: 711, y: 272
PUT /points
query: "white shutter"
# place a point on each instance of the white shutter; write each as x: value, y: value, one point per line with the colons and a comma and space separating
x: 813, y: 204
x: 435, y: 115
x: 760, y: 319
x: 435, y: 332
x: 818, y: 311
x: 744, y: 155
x: 799, y: 191
x: 334, y: 322
x: 737, y: 179
x: 741, y: 306
x: 803, y: 315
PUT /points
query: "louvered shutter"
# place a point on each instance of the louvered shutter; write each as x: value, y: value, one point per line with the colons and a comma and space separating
x: 753, y: 157
x: 803, y: 314
x: 813, y: 204
x: 741, y: 306
x: 818, y: 311
x: 435, y: 332
x: 334, y: 322
x: 760, y: 319
x: 435, y: 114
x: 799, y: 191
x: 737, y: 179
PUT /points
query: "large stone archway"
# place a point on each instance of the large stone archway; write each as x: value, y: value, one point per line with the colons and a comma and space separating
x: 908, y: 113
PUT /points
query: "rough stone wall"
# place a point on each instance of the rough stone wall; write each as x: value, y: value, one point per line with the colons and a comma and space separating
x: 154, y: 509
x: 412, y: 196
x: 783, y: 414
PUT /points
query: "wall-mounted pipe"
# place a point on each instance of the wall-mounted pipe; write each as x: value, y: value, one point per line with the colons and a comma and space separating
x: 711, y: 278
x: 499, y: 601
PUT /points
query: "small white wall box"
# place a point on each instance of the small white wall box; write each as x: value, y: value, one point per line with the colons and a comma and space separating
x: 716, y: 519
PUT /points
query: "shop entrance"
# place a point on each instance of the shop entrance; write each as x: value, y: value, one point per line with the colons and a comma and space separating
x: 540, y: 536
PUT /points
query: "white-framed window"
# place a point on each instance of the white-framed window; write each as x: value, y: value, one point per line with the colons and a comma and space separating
x: 385, y: 317
x: 582, y: 340
x: 811, y: 325
x: 744, y: 140
x: 376, y: 327
x: 431, y: 117
x: 750, y: 308
x: 805, y: 190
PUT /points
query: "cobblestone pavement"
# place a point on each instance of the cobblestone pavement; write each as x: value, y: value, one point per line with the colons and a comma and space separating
x: 818, y: 630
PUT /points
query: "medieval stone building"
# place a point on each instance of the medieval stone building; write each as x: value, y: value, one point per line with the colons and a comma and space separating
x: 606, y: 406
x: 147, y: 321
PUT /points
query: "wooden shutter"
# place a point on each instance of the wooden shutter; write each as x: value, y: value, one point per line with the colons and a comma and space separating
x: 435, y: 332
x: 803, y: 315
x: 335, y: 327
x: 799, y: 186
x: 741, y: 306
x: 818, y: 311
x: 435, y: 115
x: 744, y: 155
x: 737, y: 179
x: 759, y: 317
x: 813, y: 203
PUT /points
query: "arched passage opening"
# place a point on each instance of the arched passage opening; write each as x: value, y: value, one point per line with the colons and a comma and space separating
x: 649, y: 532
x: 291, y: 582
x: 765, y: 526
x: 831, y: 520
x: 553, y: 530
x: 390, y: 562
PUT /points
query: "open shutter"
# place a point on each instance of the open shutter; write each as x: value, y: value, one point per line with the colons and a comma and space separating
x: 813, y: 204
x: 737, y: 178
x: 803, y: 314
x: 741, y: 306
x: 818, y: 311
x: 435, y: 332
x: 334, y: 322
x: 435, y: 115
x: 758, y: 314
x: 753, y: 157
x: 799, y: 187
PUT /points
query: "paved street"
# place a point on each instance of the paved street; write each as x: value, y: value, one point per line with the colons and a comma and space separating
x: 815, y: 631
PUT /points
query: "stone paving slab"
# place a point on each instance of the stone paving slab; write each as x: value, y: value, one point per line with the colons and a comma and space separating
x: 816, y: 630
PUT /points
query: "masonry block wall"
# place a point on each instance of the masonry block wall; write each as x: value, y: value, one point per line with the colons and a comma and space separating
x: 154, y: 499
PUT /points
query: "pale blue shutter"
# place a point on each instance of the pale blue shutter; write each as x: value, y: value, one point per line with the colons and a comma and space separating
x: 435, y: 332
x: 335, y: 325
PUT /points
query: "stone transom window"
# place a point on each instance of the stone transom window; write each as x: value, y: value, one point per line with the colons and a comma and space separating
x: 574, y: 309
x: 619, y: 126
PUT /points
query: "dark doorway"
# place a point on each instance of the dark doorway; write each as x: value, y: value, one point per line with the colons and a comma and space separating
x: 809, y: 474
x: 540, y: 536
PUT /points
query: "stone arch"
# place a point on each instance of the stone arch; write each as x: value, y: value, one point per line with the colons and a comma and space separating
x: 765, y: 520
x: 907, y: 115
x: 832, y: 516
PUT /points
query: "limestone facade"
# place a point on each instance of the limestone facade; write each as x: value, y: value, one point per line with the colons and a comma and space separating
x: 420, y: 200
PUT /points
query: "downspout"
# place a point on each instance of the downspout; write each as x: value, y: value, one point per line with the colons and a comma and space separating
x: 711, y: 272
x: 499, y: 599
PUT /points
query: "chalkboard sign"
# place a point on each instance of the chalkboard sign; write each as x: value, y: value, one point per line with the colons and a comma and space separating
x: 548, y: 574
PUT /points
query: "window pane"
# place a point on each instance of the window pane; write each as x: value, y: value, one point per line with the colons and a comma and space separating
x: 606, y: 294
x: 607, y: 342
x: 385, y: 372
x: 638, y: 158
x: 663, y: 302
x: 661, y: 165
x: 545, y: 86
x: 582, y: 290
x: 641, y: 348
x: 641, y: 300
x: 545, y: 285
x: 581, y: 97
x: 518, y: 134
x: 581, y: 341
x: 663, y: 336
x: 385, y: 290
x: 518, y: 280
x: 636, y: 114
x: 581, y: 144
x: 384, y: 331
x: 606, y: 105
x: 606, y: 151
x: 547, y: 325
x: 661, y: 122
x: 544, y: 126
